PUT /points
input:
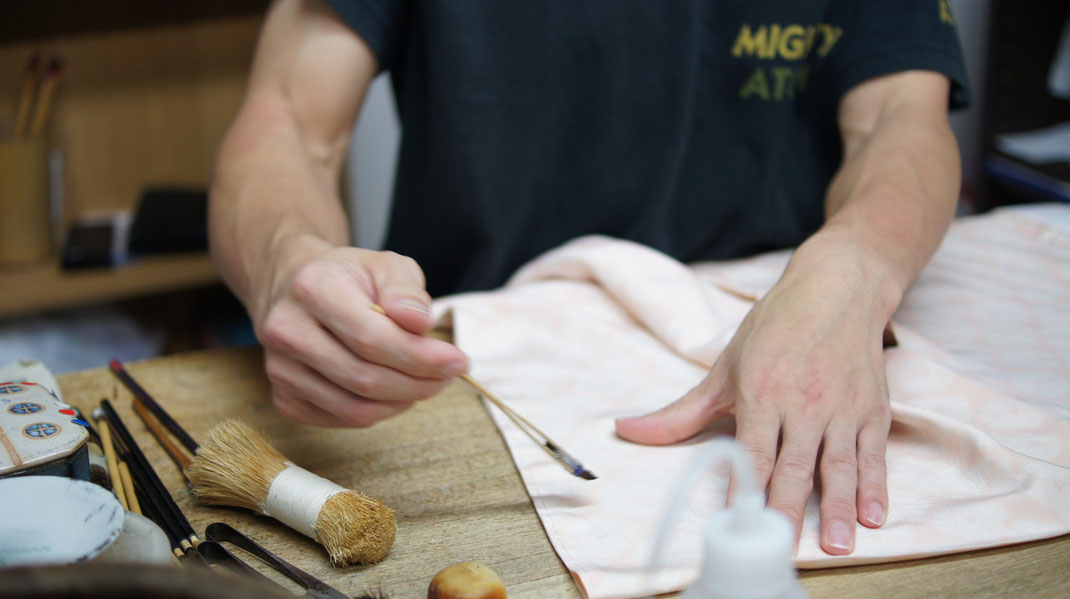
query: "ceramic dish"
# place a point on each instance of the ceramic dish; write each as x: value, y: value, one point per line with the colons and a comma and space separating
x: 55, y: 520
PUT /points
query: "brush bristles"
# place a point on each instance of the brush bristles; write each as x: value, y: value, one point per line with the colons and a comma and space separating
x: 356, y: 528
x: 235, y: 466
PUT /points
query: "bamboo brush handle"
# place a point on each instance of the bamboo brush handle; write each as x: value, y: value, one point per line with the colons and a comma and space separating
x: 157, y: 431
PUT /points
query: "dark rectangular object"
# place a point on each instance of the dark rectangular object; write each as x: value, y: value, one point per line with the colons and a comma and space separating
x: 75, y: 465
x: 89, y: 245
x: 170, y: 221
x: 1023, y: 38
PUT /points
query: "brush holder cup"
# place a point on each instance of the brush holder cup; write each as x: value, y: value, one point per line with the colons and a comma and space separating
x: 25, y: 225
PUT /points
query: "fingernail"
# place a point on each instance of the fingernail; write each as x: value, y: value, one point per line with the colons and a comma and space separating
x: 456, y: 368
x: 415, y: 306
x: 839, y: 535
x: 875, y: 514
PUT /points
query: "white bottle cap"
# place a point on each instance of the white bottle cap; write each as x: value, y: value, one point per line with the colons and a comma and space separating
x: 748, y: 553
x: 748, y: 546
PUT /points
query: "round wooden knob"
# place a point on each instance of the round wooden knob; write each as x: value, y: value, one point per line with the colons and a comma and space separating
x: 466, y: 580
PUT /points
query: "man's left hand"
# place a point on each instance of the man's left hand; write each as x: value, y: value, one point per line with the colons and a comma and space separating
x: 804, y: 377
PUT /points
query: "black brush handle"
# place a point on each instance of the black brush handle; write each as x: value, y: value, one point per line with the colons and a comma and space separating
x: 150, y: 482
x: 151, y: 509
x: 150, y: 403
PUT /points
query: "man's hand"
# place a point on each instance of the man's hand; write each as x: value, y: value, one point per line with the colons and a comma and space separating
x: 334, y: 361
x: 805, y: 374
x: 280, y: 236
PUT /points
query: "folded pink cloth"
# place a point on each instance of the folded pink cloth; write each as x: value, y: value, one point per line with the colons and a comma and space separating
x: 979, y: 452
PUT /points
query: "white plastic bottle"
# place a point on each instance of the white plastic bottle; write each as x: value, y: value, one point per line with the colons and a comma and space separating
x: 748, y: 547
x: 141, y: 541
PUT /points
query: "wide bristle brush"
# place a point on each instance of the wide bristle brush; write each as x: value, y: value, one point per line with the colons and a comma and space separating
x: 236, y: 466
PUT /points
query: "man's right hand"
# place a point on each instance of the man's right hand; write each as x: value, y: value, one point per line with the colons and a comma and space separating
x: 332, y: 359
x: 280, y: 235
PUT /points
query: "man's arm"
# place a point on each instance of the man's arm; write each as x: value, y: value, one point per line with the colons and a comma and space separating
x: 278, y: 166
x: 280, y: 236
x: 895, y: 194
x: 806, y: 370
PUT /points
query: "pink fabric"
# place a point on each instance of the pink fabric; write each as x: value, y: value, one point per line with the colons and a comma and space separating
x: 979, y: 452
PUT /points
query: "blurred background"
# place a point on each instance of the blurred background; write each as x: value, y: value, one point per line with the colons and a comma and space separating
x: 109, y: 258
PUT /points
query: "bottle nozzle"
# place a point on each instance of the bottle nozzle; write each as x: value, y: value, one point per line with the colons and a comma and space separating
x: 746, y: 507
x: 748, y: 546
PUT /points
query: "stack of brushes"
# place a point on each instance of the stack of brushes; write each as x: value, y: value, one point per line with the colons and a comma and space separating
x: 136, y: 484
x: 237, y: 467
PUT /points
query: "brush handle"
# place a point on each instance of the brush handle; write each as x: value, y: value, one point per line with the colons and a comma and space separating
x: 180, y: 459
x: 552, y: 449
x: 296, y: 497
x: 147, y: 478
x: 108, y: 445
x: 150, y: 403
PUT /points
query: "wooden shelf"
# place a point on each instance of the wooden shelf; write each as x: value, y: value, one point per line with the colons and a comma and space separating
x: 43, y: 287
x: 52, y: 19
x: 148, y: 90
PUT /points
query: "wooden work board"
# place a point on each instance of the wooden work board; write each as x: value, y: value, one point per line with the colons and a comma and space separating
x: 442, y: 466
x: 445, y: 470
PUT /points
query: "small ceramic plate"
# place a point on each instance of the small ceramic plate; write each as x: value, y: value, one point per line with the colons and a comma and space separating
x: 55, y: 520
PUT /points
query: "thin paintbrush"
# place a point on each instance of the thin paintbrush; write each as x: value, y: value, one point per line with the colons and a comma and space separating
x: 128, y: 487
x: 108, y: 445
x: 155, y: 501
x: 553, y: 449
x: 181, y: 460
x: 571, y: 464
x: 151, y: 483
x: 147, y: 407
x: 146, y: 399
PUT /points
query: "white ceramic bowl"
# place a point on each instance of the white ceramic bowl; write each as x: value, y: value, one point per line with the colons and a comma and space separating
x: 55, y: 520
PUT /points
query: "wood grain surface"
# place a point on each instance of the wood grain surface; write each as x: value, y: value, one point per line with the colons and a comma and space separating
x: 447, y: 473
x: 43, y: 286
x: 140, y: 106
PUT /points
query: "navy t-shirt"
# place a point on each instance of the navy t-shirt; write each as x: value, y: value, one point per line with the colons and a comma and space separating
x: 705, y: 129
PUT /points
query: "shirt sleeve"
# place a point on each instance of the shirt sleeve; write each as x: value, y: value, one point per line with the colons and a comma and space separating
x: 880, y: 37
x: 380, y: 23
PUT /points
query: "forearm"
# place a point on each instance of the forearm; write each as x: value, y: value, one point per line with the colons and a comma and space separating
x: 274, y: 197
x: 891, y: 202
x: 272, y: 202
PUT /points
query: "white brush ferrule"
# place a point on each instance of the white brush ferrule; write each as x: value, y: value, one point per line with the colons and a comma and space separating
x: 296, y: 497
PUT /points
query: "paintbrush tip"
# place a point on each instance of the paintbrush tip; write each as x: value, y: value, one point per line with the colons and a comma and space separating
x: 583, y: 473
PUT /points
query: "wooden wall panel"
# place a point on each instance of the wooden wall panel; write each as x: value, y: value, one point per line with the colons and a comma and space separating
x: 139, y: 107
